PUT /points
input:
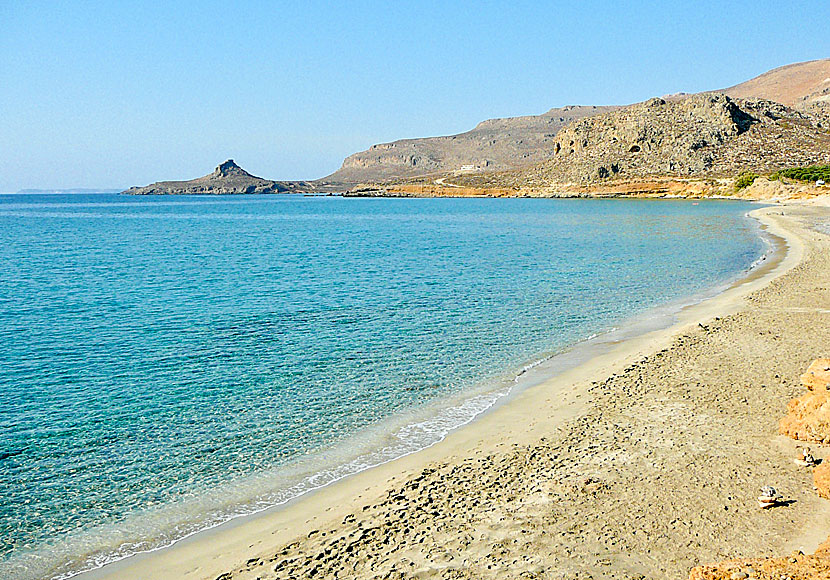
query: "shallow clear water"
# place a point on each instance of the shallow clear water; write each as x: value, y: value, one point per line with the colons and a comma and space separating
x: 168, y: 362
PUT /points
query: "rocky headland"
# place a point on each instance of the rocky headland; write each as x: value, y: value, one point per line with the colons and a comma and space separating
x: 227, y: 178
x: 494, y: 144
x: 778, y: 120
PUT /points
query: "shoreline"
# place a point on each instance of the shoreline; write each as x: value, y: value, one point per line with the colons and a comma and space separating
x: 643, y: 187
x: 298, y: 487
x: 500, y: 391
x: 232, y: 544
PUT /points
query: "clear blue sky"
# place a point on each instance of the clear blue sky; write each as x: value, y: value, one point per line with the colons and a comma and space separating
x: 111, y: 94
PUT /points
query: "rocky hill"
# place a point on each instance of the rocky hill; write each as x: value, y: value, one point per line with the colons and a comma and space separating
x: 227, y: 178
x: 492, y: 145
x: 795, y: 85
x: 507, y: 145
x: 705, y: 135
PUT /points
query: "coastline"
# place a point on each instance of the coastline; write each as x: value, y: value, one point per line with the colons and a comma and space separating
x: 230, y: 546
x: 643, y: 187
x: 404, y: 433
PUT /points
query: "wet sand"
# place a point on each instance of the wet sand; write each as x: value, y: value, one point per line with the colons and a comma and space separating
x: 641, y: 463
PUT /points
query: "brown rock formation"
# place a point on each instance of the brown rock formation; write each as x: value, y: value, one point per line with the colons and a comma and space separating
x: 808, y: 416
x: 821, y: 481
x: 797, y: 565
x: 817, y: 377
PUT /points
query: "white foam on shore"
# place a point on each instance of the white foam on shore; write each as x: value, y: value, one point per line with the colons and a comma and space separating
x: 410, y: 434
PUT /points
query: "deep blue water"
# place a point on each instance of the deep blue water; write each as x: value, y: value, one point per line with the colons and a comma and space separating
x: 167, y: 362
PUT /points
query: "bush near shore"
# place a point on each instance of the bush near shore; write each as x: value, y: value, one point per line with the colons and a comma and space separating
x: 790, y: 177
x: 809, y: 173
x: 744, y: 180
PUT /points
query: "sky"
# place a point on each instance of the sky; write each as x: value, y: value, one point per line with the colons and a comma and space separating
x: 115, y: 94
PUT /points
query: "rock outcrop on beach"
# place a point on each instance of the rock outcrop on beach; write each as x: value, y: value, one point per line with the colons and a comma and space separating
x: 821, y: 480
x: 796, y: 565
x: 492, y: 145
x: 817, y: 377
x: 227, y: 178
x: 808, y: 416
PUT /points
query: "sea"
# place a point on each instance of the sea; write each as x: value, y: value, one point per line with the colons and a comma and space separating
x: 170, y: 363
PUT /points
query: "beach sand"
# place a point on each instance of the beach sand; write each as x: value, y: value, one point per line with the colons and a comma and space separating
x: 641, y: 463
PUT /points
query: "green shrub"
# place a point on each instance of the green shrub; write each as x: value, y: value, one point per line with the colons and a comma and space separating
x: 745, y: 180
x: 811, y: 173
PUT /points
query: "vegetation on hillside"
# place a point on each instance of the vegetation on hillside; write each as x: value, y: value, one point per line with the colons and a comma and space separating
x: 810, y: 173
x: 745, y: 180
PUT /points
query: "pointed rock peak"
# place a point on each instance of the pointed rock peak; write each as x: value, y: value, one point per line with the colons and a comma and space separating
x: 229, y: 167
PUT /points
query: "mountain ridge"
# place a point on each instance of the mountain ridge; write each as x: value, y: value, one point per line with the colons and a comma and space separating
x: 804, y: 86
x: 493, y: 144
x: 800, y: 83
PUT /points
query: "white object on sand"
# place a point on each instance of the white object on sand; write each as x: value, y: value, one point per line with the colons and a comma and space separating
x: 806, y: 459
x: 769, y: 497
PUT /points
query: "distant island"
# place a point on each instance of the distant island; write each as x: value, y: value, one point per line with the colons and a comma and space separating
x: 227, y: 179
x: 76, y: 190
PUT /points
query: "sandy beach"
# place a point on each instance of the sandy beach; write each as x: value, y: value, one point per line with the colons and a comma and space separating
x: 641, y: 463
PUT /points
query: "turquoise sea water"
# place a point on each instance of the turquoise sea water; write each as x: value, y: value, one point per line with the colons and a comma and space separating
x: 169, y: 362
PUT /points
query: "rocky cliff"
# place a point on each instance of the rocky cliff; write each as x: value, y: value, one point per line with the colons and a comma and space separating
x: 805, y: 86
x: 492, y: 145
x: 227, y: 178
x: 704, y: 135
